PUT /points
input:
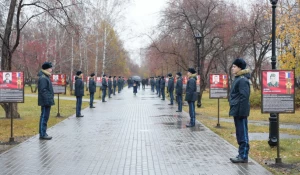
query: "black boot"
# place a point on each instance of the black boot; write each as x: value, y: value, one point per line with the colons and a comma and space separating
x: 238, y: 159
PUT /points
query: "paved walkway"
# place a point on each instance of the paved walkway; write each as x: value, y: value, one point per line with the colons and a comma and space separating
x: 127, y: 135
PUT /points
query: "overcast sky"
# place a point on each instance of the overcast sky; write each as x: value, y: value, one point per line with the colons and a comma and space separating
x: 141, y: 18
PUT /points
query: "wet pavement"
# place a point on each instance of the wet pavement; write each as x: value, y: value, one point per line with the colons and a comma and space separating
x: 127, y: 135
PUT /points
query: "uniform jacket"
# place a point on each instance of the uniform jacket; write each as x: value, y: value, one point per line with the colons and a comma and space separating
x: 143, y: 81
x: 79, y: 87
x: 109, y: 83
x: 114, y: 82
x: 179, y: 86
x: 92, y: 85
x: 191, y: 88
x: 239, y: 95
x: 171, y: 84
x: 119, y: 82
x: 152, y: 82
x: 157, y: 82
x: 45, y: 89
x: 162, y: 83
x: 104, y: 83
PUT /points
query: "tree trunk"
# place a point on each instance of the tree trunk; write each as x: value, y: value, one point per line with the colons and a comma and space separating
x: 8, y: 112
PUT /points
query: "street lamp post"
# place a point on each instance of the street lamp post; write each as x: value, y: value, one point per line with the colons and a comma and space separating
x: 198, y: 39
x: 274, y: 117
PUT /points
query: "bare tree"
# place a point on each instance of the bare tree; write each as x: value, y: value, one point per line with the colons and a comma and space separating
x: 16, y: 20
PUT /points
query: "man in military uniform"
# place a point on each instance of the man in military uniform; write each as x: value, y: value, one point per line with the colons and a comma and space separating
x: 240, y: 108
x: 104, y: 86
x: 273, y: 82
x: 162, y: 87
x: 179, y: 91
x: 191, y: 95
x: 171, y: 88
x: 119, y: 84
x: 143, y: 83
x: 152, y: 83
x: 92, y: 89
x: 159, y: 90
x: 45, y: 98
x: 79, y: 92
x: 109, y: 87
x: 115, y: 84
x: 156, y: 84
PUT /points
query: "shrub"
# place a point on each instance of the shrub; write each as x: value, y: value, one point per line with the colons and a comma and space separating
x: 255, y: 99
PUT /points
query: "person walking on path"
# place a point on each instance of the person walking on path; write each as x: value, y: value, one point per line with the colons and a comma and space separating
x: 171, y: 88
x: 143, y: 83
x: 45, y: 98
x: 135, y: 85
x: 179, y: 90
x: 104, y: 87
x: 240, y: 108
x: 162, y: 87
x: 92, y: 89
x: 109, y: 87
x: 115, y: 84
x: 79, y: 92
x: 191, y: 95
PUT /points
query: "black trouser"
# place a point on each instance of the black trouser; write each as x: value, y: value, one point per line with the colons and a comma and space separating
x: 171, y: 97
x: 103, y: 94
x: 163, y: 93
x: 179, y: 101
x: 78, y: 105
x: 109, y: 92
x: 192, y: 112
x: 241, y: 131
x: 115, y: 90
x: 159, y: 91
x: 45, y: 113
x: 91, y: 99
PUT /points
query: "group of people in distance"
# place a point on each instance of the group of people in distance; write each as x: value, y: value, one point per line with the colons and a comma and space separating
x: 158, y: 83
x: 46, y: 94
x: 238, y: 99
x: 109, y: 84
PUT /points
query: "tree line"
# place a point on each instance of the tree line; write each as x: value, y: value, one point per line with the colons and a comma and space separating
x: 72, y: 34
x: 228, y: 31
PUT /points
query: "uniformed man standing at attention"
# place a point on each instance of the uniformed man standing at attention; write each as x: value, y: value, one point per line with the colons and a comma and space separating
x: 104, y: 87
x: 92, y: 89
x: 171, y: 88
x: 115, y: 84
x: 152, y: 83
x: 45, y: 98
x: 109, y: 87
x: 156, y: 85
x: 162, y: 87
x: 119, y: 84
x: 179, y: 91
x: 191, y: 95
